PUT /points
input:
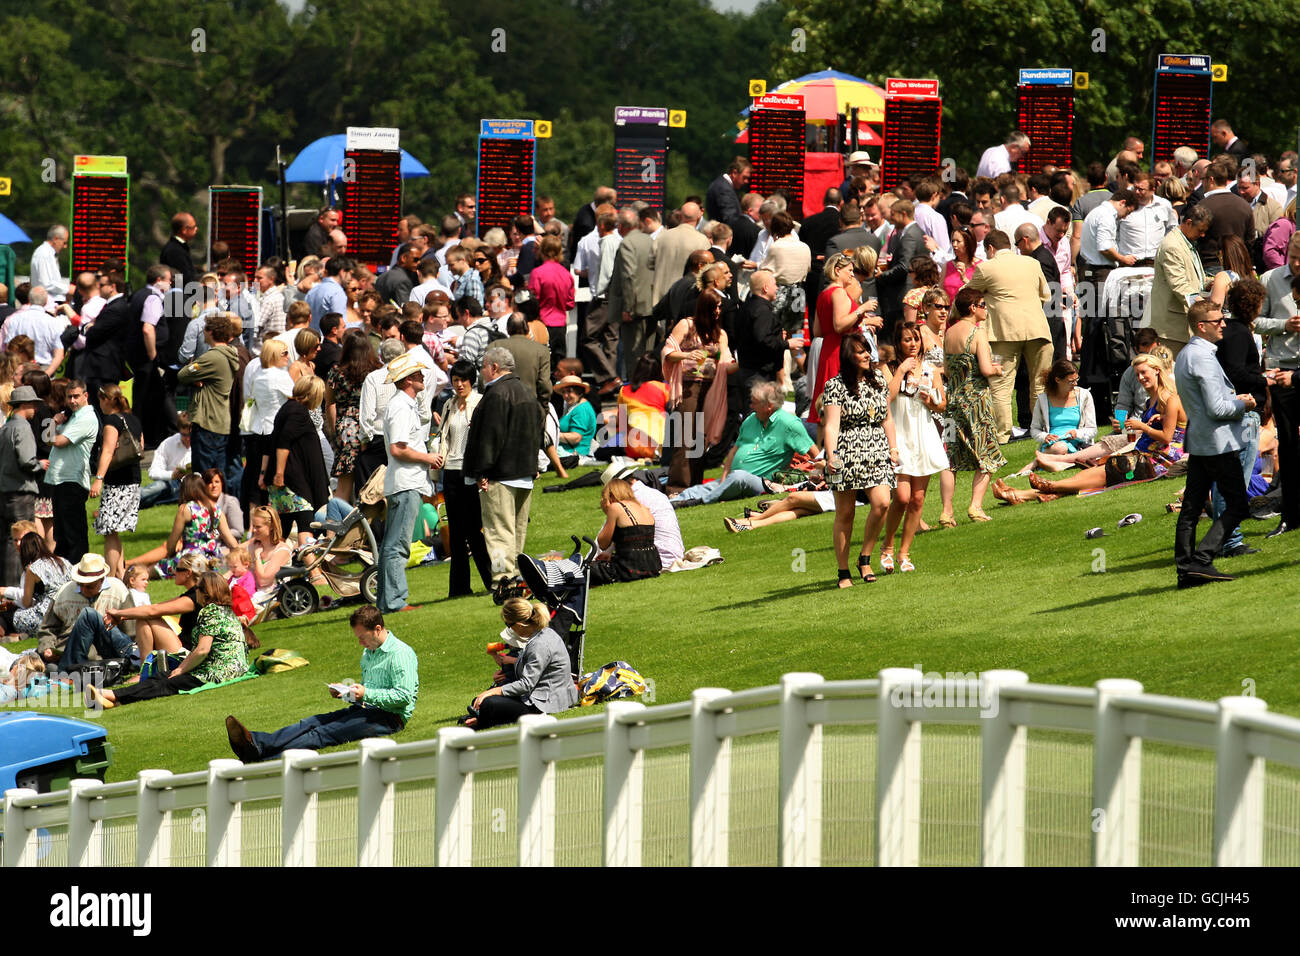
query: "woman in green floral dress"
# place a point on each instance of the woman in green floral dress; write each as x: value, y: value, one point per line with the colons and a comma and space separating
x: 218, y: 653
x: 971, y: 438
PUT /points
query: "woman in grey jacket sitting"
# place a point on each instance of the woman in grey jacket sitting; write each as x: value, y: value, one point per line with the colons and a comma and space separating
x: 544, y: 677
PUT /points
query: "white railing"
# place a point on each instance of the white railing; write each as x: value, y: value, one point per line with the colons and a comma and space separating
x: 782, y: 774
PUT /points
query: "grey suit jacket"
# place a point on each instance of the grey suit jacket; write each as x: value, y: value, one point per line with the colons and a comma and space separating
x: 532, y: 365
x: 545, y: 676
x: 631, y: 287
x: 854, y: 238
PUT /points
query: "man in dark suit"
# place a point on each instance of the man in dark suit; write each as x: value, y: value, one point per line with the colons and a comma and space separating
x: 746, y: 226
x: 814, y: 232
x: 894, y: 280
x: 1029, y: 243
x: 532, y: 359
x: 147, y: 342
x: 177, y: 256
x: 1222, y: 136
x: 722, y: 201
x: 1232, y: 214
x: 854, y: 235
x: 760, y: 343
x: 395, y: 284
x: 584, y: 220
x: 679, y: 301
x: 101, y: 359
x: 960, y: 183
x: 720, y: 234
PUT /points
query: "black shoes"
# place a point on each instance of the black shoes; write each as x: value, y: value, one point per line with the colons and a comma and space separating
x: 1240, y: 551
x: 1199, y: 576
x: 241, y: 741
x: 1282, y: 528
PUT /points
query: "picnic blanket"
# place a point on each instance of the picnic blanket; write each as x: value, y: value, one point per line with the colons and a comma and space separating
x: 225, y: 683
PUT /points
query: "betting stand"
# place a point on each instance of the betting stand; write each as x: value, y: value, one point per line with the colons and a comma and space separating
x: 1046, y: 115
x: 235, y: 218
x: 1183, y: 96
x: 507, y: 162
x: 913, y: 113
x: 777, y: 134
x: 641, y: 154
x: 372, y: 191
x: 101, y: 212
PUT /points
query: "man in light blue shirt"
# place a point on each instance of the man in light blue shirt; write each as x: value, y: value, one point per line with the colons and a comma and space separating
x: 328, y: 295
x: 68, y: 474
x: 1214, y: 438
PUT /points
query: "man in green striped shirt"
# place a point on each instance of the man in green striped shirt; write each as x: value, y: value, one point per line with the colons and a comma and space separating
x: 380, y: 705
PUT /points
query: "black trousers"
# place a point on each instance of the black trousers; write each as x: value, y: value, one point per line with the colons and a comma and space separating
x: 154, y: 404
x: 151, y: 687
x: 559, y: 349
x: 15, y: 506
x: 500, y: 709
x: 249, y: 493
x: 1286, y: 410
x: 71, y: 539
x: 464, y: 533
x: 1203, y: 471
x: 370, y: 457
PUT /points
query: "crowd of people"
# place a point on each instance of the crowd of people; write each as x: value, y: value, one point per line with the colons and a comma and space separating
x: 919, y: 329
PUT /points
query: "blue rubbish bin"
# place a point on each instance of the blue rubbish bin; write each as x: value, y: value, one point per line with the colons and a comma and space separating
x: 44, y: 752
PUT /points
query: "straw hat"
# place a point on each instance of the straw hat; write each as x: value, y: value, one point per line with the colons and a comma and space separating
x: 860, y: 158
x: 404, y: 366
x: 571, y: 381
x: 92, y: 568
x: 618, y: 468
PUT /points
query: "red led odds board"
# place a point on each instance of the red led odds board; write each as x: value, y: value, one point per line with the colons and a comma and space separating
x: 372, y: 204
x: 913, y: 113
x: 777, y: 136
x: 1181, y: 115
x: 100, y: 220
x: 235, y: 218
x: 1046, y: 115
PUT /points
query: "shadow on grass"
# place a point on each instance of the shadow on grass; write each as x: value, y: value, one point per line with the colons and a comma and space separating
x: 1148, y: 592
x: 812, y: 587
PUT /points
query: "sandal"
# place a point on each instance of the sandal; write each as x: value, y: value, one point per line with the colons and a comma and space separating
x: 906, y: 565
x: 845, y: 579
x: 976, y: 514
x: 947, y: 521
x: 734, y: 526
x: 864, y: 568
x: 887, y: 562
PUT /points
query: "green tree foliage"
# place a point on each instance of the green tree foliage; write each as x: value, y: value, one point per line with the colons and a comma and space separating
x: 975, y: 49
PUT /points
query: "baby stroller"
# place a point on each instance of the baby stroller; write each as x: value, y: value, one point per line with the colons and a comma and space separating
x: 343, y: 554
x: 563, y: 586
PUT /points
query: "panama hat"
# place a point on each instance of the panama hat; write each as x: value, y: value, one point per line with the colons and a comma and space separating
x: 860, y: 158
x: 618, y: 468
x: 404, y: 366
x: 91, y: 568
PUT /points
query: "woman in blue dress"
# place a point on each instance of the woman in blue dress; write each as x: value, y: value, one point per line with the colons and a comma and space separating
x: 1065, y: 419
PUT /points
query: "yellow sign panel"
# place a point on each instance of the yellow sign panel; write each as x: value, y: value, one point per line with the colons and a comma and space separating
x: 677, y: 119
x: 542, y: 129
x: 1219, y: 72
x: 1080, y: 81
x: 99, y: 164
x: 6, y: 184
x: 757, y: 87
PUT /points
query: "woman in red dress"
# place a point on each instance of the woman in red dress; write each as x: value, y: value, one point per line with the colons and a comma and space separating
x: 837, y: 314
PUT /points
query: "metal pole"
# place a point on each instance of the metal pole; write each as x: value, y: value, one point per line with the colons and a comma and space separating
x: 282, y: 240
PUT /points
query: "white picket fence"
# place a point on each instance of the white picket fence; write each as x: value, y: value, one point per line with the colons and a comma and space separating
x: 810, y: 772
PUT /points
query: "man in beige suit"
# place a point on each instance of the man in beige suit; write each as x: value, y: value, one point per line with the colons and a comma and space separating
x: 673, y: 248
x: 629, y: 297
x: 1179, y: 273
x: 1014, y: 292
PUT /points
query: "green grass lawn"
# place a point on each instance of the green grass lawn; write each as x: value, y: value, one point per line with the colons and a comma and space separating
x: 1018, y: 592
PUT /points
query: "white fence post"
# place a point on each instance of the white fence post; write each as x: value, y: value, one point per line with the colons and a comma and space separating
x: 801, y: 776
x: 225, y: 817
x: 153, y: 838
x: 1238, y: 789
x: 376, y: 804
x: 1116, y: 780
x: 1002, y: 773
x: 453, y: 802
x: 710, y: 782
x: 19, y: 845
x: 624, y: 789
x: 536, y: 794
x: 297, y: 811
x: 85, y: 845
x: 898, y: 770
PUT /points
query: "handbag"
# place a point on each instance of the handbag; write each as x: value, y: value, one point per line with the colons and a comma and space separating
x: 128, y: 451
x: 1129, y: 466
x: 246, y: 418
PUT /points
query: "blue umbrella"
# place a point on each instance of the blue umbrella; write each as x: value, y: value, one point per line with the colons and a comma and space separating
x: 9, y: 231
x: 323, y: 160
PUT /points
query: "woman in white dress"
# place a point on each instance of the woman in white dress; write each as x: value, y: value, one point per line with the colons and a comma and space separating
x: 915, y: 391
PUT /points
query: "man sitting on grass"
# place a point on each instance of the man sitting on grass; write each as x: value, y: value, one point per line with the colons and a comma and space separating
x: 767, y: 441
x: 380, y: 705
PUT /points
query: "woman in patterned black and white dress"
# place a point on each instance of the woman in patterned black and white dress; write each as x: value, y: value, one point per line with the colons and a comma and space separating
x: 118, y: 489
x: 861, y: 450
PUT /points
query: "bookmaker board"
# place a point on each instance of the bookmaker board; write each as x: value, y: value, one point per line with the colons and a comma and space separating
x: 777, y: 135
x: 372, y: 193
x: 101, y: 212
x: 641, y: 154
x: 1183, y: 98
x: 913, y: 117
x: 235, y: 218
x: 507, y: 161
x: 1045, y: 113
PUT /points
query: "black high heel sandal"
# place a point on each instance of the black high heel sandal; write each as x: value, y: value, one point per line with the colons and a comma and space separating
x: 844, y: 575
x: 864, y: 568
